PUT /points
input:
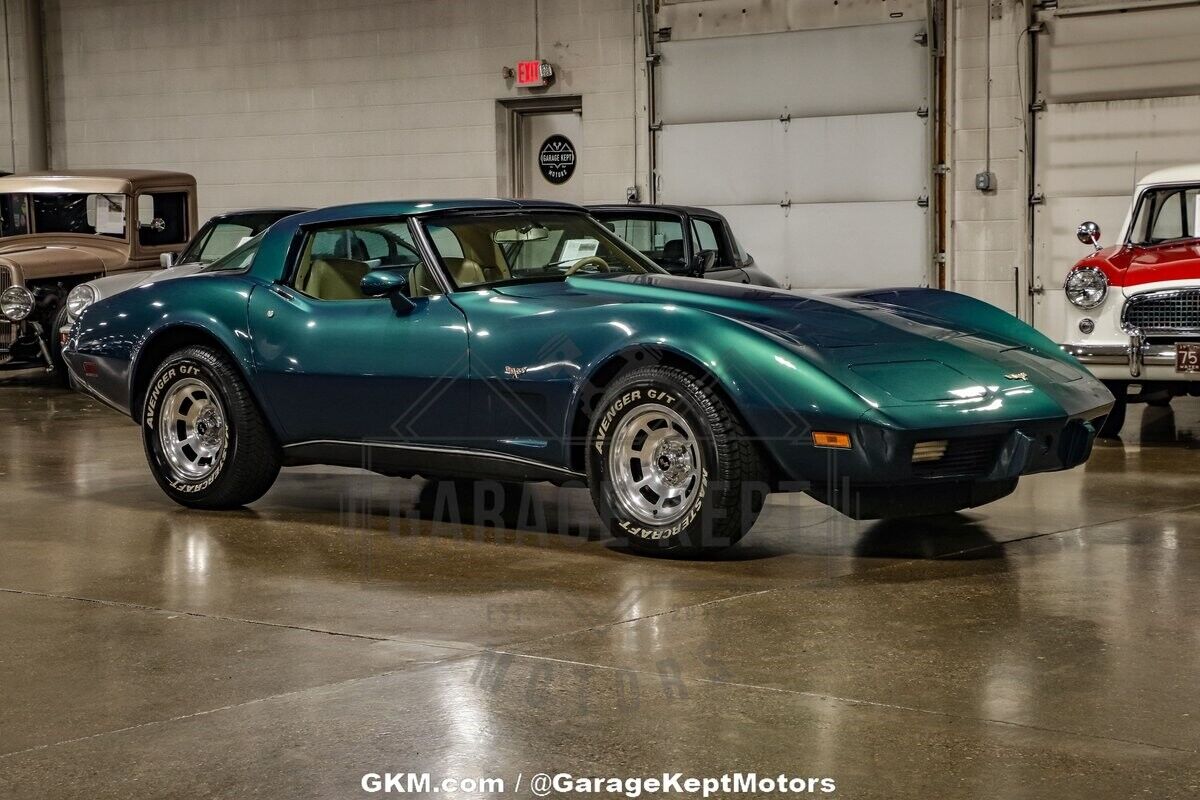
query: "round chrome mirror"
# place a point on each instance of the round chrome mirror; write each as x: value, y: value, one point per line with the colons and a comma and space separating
x: 1089, y: 233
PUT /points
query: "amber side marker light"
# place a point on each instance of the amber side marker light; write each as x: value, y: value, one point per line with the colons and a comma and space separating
x: 840, y: 441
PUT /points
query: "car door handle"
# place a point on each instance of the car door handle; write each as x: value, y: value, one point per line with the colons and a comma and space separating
x: 284, y: 294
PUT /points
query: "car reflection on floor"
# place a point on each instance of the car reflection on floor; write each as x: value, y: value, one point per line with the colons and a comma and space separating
x: 1053, y: 630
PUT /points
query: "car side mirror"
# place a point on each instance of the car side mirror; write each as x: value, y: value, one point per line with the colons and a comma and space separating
x: 703, y: 262
x: 1089, y: 233
x: 166, y: 260
x: 389, y: 283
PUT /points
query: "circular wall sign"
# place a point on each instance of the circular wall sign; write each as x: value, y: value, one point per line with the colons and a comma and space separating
x: 556, y: 159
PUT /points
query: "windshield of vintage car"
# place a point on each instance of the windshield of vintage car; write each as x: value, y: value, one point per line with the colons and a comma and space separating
x: 102, y: 214
x: 494, y: 249
x: 241, y: 257
x: 1165, y: 214
x: 218, y: 239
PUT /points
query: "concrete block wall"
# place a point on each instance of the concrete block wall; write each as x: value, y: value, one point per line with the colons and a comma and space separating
x: 316, y: 102
x: 22, y: 128
x: 989, y: 231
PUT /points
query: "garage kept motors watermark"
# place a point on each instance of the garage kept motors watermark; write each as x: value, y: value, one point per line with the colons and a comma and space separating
x: 556, y: 159
x: 565, y: 784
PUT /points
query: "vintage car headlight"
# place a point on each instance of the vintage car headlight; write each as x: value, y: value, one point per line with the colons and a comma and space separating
x: 16, y: 303
x: 80, y: 298
x: 1086, y: 287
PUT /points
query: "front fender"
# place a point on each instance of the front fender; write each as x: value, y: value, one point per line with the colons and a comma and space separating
x: 122, y: 334
x: 776, y: 387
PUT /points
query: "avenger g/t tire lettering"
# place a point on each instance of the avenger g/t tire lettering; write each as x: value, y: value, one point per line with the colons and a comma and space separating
x: 670, y: 467
x: 205, y: 439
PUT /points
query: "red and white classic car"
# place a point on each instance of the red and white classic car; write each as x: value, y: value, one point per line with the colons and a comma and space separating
x: 1134, y: 306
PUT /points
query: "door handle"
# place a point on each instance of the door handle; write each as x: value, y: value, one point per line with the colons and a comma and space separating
x: 279, y: 290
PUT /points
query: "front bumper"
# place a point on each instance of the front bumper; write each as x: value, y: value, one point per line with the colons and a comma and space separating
x: 993, y: 463
x: 1139, y: 358
x: 1001, y: 450
x: 25, y: 347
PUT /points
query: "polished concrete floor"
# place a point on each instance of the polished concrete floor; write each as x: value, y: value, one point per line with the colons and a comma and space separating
x: 1046, y: 646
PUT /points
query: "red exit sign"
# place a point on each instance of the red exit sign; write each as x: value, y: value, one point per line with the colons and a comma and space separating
x: 533, y: 73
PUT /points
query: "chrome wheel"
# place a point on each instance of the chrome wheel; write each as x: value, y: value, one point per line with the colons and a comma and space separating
x: 655, y: 465
x: 192, y: 430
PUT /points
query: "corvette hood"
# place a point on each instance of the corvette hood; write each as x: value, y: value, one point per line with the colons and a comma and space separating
x: 890, y: 356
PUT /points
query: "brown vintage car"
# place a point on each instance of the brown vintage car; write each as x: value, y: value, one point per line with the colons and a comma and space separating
x: 60, y: 229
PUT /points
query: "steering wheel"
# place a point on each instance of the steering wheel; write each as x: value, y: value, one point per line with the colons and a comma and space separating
x: 596, y: 261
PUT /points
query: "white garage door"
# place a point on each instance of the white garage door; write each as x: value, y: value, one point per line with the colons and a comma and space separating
x: 1121, y: 96
x: 815, y: 145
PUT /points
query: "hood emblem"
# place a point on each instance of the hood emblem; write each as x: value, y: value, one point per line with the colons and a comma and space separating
x: 515, y: 372
x: 1017, y: 376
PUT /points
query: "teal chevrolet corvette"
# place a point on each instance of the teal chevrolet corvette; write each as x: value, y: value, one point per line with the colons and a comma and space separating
x: 524, y: 341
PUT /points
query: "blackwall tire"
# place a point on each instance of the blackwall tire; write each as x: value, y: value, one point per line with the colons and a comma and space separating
x: 205, y: 440
x: 1111, y: 427
x: 670, y: 467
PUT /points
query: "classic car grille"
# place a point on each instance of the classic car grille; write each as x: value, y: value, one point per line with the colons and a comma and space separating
x: 7, y: 329
x: 971, y: 456
x: 1169, y: 312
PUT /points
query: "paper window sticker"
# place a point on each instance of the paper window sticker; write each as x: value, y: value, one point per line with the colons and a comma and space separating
x: 575, y: 249
x: 110, y: 216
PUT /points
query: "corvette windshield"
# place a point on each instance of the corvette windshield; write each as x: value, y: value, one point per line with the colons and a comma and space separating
x: 494, y: 249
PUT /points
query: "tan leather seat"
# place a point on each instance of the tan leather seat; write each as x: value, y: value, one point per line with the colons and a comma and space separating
x: 420, y: 282
x: 334, y: 279
x: 465, y: 272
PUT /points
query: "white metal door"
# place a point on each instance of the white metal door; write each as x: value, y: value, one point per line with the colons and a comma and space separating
x: 548, y: 149
x: 814, y: 144
x: 1119, y: 97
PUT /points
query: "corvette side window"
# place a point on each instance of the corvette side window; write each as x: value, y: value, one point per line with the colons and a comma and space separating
x: 333, y: 261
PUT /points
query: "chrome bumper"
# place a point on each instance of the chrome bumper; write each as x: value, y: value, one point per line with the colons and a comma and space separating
x: 1137, y: 354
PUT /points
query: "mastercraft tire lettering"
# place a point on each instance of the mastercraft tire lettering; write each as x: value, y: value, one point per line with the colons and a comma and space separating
x: 671, y: 469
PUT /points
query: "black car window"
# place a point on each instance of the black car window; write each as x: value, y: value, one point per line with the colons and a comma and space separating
x: 658, y: 238
x: 162, y: 219
x: 710, y: 235
x: 14, y: 214
x: 102, y: 214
